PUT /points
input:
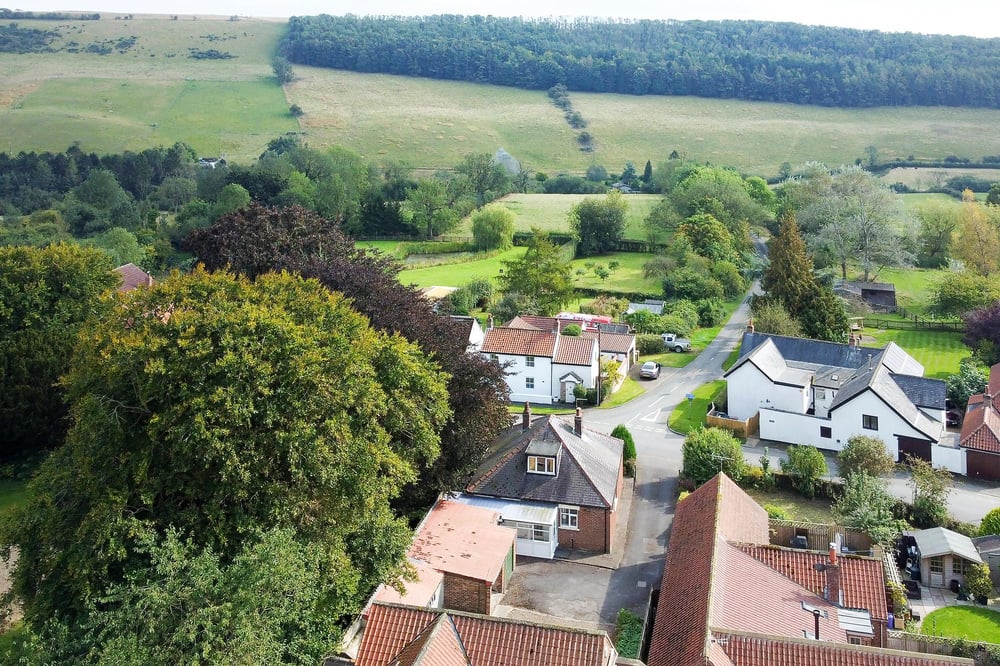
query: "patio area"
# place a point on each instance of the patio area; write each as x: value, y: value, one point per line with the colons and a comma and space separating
x: 932, y: 598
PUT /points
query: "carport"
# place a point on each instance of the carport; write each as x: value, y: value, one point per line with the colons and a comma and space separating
x: 537, y: 531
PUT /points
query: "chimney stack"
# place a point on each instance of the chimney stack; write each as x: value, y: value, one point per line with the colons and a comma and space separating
x: 869, y: 361
x: 149, y: 280
x: 578, y: 422
x: 526, y: 416
x: 750, y: 325
x: 833, y: 577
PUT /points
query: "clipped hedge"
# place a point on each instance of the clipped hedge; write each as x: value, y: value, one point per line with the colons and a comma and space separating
x: 628, y: 634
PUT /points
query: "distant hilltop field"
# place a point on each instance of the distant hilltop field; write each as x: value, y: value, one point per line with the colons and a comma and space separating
x: 127, y: 82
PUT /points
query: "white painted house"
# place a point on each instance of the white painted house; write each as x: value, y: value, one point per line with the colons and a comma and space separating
x: 822, y: 393
x: 542, y: 366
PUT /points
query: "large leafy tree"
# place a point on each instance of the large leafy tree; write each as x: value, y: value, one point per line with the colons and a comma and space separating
x: 982, y: 332
x: 708, y: 451
x: 260, y: 239
x: 542, y: 275
x: 485, y: 177
x: 45, y: 296
x: 864, y: 503
x: 977, y: 236
x: 598, y: 224
x: 224, y: 409
x: 429, y: 209
x: 866, y: 455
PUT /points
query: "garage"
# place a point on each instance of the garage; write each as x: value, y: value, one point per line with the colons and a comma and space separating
x: 981, y: 465
x: 911, y: 446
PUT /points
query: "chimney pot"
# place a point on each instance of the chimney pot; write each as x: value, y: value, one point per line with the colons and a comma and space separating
x: 750, y: 325
x: 578, y: 422
x: 833, y: 553
x: 526, y: 416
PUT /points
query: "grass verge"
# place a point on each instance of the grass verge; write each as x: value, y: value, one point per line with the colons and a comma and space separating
x: 969, y: 622
x: 691, y: 413
x: 629, y: 389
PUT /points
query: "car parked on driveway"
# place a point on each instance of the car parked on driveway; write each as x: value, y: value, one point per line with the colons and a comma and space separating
x: 650, y: 370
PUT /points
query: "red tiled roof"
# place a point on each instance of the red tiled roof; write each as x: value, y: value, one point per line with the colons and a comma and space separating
x: 574, y: 351
x: 132, y: 277
x: 519, y: 342
x: 487, y: 641
x: 981, y: 427
x: 437, y: 645
x: 748, y: 595
x: 993, y: 385
x: 862, y: 579
x: 613, y: 343
x: 751, y: 650
x: 534, y: 322
x: 463, y: 540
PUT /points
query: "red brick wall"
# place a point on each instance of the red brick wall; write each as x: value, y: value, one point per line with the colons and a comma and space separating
x: 592, y: 534
x: 466, y: 594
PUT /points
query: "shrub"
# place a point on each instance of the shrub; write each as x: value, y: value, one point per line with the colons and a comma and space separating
x: 708, y: 451
x: 753, y: 477
x: 977, y: 579
x: 580, y: 392
x: 649, y: 344
x: 805, y: 465
x: 622, y: 433
x: 991, y: 523
x: 686, y: 310
x: 776, y: 512
x: 711, y: 312
x: 674, y: 324
x: 864, y: 454
x: 628, y: 634
x: 572, y: 330
x: 493, y: 227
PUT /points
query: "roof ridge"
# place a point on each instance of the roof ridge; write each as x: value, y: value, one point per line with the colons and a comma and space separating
x: 495, y: 619
x: 586, y: 473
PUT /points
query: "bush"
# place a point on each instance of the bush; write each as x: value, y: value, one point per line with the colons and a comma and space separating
x: 977, y: 580
x: 864, y: 454
x: 776, y: 512
x: 753, y: 477
x: 649, y: 344
x: 686, y: 311
x: 711, y: 312
x: 572, y: 330
x: 622, y: 433
x: 991, y: 523
x: 691, y: 284
x: 493, y: 227
x: 580, y: 392
x: 628, y: 634
x: 805, y: 465
x: 708, y: 451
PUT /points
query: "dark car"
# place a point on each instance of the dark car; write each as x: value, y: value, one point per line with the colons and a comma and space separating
x: 650, y: 370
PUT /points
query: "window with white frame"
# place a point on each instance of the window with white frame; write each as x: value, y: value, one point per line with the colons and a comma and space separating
x: 958, y: 566
x: 529, y: 361
x: 569, y: 517
x: 542, y: 465
x: 529, y: 382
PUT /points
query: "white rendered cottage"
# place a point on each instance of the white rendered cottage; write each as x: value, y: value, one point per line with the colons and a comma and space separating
x: 822, y: 393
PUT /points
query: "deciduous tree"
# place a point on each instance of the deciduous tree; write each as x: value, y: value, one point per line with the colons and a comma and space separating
x: 982, y: 333
x: 865, y: 504
x: 542, y: 275
x: 493, y: 227
x: 708, y: 451
x: 599, y: 225
x: 864, y: 455
x: 931, y: 487
x: 46, y: 295
x: 805, y: 465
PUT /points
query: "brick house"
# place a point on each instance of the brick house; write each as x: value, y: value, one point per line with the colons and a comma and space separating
x: 728, y: 598
x: 462, y: 557
x: 396, y: 635
x: 575, y: 472
x: 980, y: 438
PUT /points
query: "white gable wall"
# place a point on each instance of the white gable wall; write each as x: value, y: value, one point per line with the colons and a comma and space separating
x: 518, y: 371
x: 748, y: 389
x: 890, y: 425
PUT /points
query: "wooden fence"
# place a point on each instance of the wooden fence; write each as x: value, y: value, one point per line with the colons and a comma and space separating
x: 915, y: 324
x: 819, y: 535
x: 744, y: 429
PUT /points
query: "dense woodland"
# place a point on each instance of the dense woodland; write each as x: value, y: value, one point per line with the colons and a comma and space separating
x: 753, y: 60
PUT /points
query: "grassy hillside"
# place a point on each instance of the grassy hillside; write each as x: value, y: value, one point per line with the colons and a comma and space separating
x: 150, y: 94
x: 154, y: 93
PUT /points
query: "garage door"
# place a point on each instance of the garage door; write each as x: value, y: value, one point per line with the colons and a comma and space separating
x: 981, y: 465
x: 918, y: 448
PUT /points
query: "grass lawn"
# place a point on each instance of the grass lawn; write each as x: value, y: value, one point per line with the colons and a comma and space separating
x: 794, y: 505
x: 973, y: 623
x: 914, y: 286
x: 938, y: 351
x: 518, y: 408
x: 691, y: 413
x: 629, y: 389
x: 13, y: 493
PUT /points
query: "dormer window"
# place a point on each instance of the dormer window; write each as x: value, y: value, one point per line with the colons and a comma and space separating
x: 541, y: 465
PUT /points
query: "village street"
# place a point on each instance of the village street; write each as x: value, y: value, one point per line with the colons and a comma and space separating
x: 593, y: 595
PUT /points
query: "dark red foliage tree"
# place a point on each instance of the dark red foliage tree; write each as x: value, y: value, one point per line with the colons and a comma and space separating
x: 982, y: 332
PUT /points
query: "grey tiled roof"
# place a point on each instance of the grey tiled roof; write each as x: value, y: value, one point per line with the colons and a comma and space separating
x: 587, y: 472
x: 923, y: 391
x: 817, y: 352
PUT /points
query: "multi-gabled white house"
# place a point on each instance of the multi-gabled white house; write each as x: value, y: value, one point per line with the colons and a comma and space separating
x: 542, y: 366
x: 822, y: 393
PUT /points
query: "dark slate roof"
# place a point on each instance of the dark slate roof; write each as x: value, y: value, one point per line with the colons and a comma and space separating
x: 923, y: 391
x: 817, y: 352
x: 587, y: 470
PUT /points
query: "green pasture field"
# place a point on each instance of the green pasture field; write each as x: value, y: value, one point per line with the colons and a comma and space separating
x: 152, y: 94
x: 628, y: 277
x: 925, y: 178
x: 459, y: 274
x: 550, y: 212
x: 969, y: 622
x: 914, y: 286
x: 914, y: 202
x: 432, y: 124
